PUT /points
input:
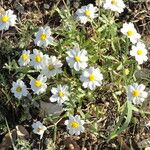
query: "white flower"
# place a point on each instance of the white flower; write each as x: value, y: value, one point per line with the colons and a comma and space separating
x: 86, y: 13
x: 38, y: 85
x: 7, y: 19
x: 19, y: 89
x: 139, y: 52
x: 77, y: 58
x: 39, y: 128
x: 52, y: 67
x: 75, y: 125
x: 43, y: 37
x: 38, y: 60
x: 129, y: 30
x: 136, y: 93
x: 91, y: 78
x: 114, y: 5
x: 147, y: 148
x: 24, y: 58
x: 60, y: 94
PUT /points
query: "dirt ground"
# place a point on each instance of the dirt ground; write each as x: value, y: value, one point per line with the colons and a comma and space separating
x: 136, y: 137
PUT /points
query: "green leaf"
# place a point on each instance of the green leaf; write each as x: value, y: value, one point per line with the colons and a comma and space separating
x: 120, y: 128
x: 120, y: 67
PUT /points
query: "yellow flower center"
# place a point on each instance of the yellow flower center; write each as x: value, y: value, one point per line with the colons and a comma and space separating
x: 135, y: 93
x: 61, y: 94
x: 5, y: 19
x: 126, y: 71
x: 74, y: 124
x: 24, y: 57
x: 38, y: 83
x: 18, y: 89
x: 92, y: 77
x: 43, y: 36
x: 77, y: 58
x: 50, y: 67
x: 113, y: 2
x: 87, y: 13
x: 39, y: 129
x: 140, y: 52
x: 38, y: 58
x: 130, y: 33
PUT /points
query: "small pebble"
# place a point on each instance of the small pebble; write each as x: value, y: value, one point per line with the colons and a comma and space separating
x: 46, y: 6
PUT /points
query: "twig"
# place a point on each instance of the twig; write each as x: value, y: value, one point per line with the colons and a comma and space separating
x: 55, y: 124
x: 10, y: 135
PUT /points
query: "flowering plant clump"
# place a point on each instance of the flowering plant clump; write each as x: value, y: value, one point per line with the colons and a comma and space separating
x: 86, y: 66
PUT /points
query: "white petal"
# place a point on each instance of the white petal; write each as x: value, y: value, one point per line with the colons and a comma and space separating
x: 53, y: 98
x: 141, y: 87
x: 85, y: 84
x: 144, y: 94
x: 92, y: 86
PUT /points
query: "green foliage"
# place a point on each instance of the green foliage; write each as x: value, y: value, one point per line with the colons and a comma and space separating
x: 107, y: 50
x: 120, y: 126
x: 50, y: 145
x: 22, y: 145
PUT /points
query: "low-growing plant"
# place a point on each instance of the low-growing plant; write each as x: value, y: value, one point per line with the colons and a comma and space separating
x: 86, y: 65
